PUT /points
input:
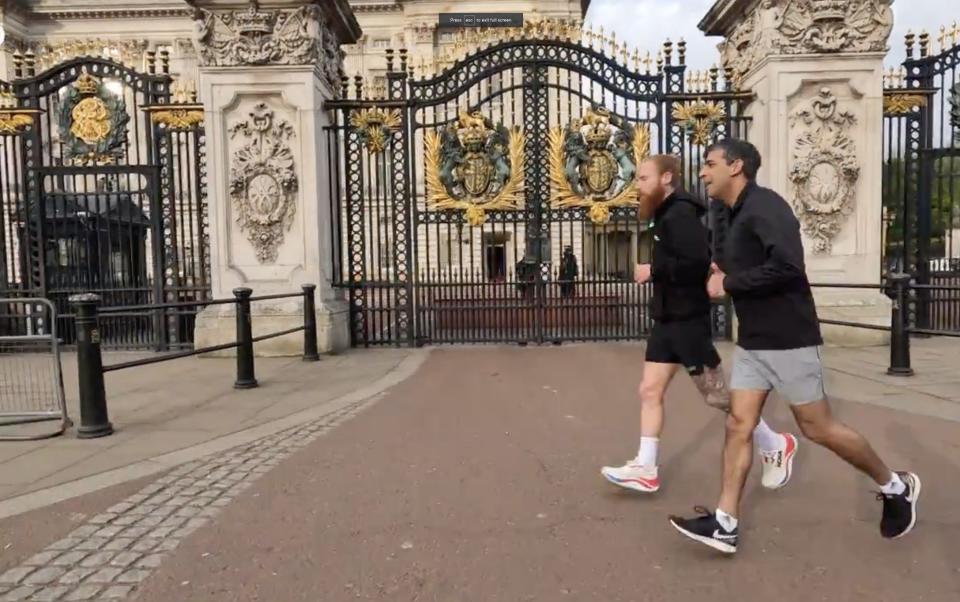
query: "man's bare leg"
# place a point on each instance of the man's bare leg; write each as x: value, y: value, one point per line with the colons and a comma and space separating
x: 712, y: 385
x: 817, y: 423
x: 719, y: 529
x: 653, y: 387
x: 899, y: 490
x: 640, y: 474
x: 745, y: 409
x: 777, y: 450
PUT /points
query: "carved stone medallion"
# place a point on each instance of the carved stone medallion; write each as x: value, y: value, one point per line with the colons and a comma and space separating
x: 824, y: 168
x: 263, y: 183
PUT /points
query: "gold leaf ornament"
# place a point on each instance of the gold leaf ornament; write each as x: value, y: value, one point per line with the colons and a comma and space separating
x: 373, y: 125
x: 598, y: 210
x: 699, y: 118
x: 508, y: 197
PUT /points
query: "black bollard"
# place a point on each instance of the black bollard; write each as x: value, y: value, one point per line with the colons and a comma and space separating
x: 94, y: 421
x: 898, y: 287
x: 309, y: 324
x: 245, y: 375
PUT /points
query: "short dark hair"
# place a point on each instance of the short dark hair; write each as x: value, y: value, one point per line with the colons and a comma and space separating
x: 734, y: 149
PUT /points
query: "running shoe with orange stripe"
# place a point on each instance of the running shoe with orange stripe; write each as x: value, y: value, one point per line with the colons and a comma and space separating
x: 633, y: 475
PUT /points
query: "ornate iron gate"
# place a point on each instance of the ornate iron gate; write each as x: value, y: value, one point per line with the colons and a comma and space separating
x: 921, y: 186
x: 102, y: 176
x: 494, y: 201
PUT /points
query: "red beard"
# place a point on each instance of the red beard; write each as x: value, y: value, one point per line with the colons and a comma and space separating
x: 649, y: 203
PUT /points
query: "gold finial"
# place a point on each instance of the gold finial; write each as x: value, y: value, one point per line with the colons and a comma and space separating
x: 648, y: 61
x: 908, y: 40
x: 613, y: 44
x: 903, y: 77
x: 924, y: 43
x: 636, y: 60
x: 682, y: 51
x: 659, y: 61
x: 624, y: 54
x: 953, y: 34
x: 728, y: 78
x: 668, y: 52
x: 689, y: 82
x: 942, y: 38
x: 714, y: 76
x: 586, y: 36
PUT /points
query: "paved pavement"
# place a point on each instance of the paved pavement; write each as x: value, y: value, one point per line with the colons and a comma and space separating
x: 172, y: 412
x: 477, y: 479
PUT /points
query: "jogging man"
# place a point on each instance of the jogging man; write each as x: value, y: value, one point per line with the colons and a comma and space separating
x: 681, y: 334
x: 778, y: 347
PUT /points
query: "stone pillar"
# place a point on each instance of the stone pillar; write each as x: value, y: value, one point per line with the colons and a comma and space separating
x: 265, y: 70
x: 815, y: 67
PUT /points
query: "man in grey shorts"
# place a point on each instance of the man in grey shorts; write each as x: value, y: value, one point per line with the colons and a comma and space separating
x: 778, y: 347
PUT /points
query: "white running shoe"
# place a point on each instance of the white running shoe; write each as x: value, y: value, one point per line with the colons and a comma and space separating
x: 778, y: 463
x: 633, y: 475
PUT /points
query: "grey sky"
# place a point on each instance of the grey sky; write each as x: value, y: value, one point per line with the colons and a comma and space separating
x: 647, y: 23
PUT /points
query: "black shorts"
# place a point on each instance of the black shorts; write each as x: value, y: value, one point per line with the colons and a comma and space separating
x: 685, y: 342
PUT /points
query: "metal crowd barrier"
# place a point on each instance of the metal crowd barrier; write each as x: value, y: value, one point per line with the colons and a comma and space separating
x: 94, y: 419
x: 31, y: 381
x: 898, y: 287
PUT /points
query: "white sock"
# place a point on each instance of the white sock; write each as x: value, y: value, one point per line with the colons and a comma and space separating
x: 647, y: 456
x: 894, y: 486
x: 767, y: 439
x: 726, y: 521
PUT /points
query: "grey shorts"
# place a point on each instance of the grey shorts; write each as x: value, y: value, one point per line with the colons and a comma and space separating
x: 796, y: 374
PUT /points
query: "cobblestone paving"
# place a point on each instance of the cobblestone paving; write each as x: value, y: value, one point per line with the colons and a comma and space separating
x: 107, y: 558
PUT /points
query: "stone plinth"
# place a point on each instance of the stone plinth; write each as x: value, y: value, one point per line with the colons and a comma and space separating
x: 268, y: 178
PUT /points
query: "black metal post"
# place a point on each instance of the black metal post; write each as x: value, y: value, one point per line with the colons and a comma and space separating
x: 94, y: 421
x: 898, y: 286
x: 309, y: 324
x: 245, y: 376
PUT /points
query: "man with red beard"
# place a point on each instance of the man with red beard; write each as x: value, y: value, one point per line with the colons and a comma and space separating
x: 681, y: 335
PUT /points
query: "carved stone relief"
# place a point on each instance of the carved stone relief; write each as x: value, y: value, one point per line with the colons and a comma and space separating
x: 127, y: 52
x: 423, y: 32
x: 253, y: 36
x: 807, y: 27
x: 263, y: 180
x: 824, y: 168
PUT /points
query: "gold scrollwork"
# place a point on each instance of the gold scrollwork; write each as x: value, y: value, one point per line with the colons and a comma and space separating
x: 699, y: 118
x: 373, y: 125
x: 183, y: 113
x: 178, y: 118
x: 483, y: 178
x: 13, y: 120
x: 14, y: 123
x: 902, y: 104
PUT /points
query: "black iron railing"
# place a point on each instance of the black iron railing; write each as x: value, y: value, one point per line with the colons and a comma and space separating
x: 90, y: 369
x: 899, y: 287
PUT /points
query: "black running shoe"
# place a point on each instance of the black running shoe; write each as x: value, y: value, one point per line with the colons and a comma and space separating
x: 900, y: 510
x: 707, y: 530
